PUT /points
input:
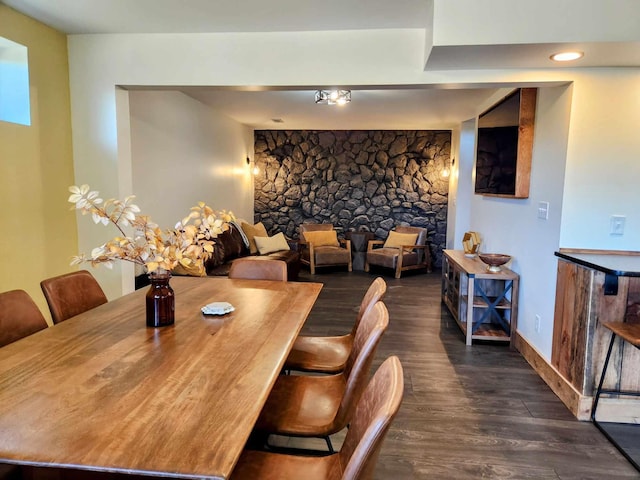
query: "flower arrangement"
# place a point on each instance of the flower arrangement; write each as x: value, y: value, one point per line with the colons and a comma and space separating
x: 189, y: 244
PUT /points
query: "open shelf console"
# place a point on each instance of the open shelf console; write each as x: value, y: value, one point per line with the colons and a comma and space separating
x: 483, y: 303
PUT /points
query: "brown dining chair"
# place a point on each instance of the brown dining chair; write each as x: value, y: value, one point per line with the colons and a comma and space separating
x: 358, y: 456
x: 19, y: 317
x: 258, y: 268
x: 318, y: 406
x: 330, y: 354
x: 71, y: 294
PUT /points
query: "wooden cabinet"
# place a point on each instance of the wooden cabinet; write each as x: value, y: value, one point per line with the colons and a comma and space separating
x: 483, y: 303
x: 591, y: 289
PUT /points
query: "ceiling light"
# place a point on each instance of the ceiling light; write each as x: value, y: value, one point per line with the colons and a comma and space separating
x: 333, y: 97
x: 566, y: 56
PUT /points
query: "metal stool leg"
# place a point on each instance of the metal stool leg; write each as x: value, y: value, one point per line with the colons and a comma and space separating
x: 604, y: 372
x: 600, y: 391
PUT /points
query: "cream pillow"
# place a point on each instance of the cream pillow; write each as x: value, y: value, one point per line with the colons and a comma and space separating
x: 322, y: 238
x: 252, y: 231
x: 277, y: 243
x: 396, y: 240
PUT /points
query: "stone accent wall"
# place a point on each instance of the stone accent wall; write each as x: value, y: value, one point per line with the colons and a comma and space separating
x: 357, y: 180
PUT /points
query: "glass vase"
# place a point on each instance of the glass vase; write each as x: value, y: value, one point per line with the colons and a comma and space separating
x: 160, y: 301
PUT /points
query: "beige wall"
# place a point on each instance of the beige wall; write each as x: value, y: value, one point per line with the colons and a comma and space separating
x: 39, y: 232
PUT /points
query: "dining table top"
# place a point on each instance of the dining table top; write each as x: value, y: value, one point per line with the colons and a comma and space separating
x: 103, y: 392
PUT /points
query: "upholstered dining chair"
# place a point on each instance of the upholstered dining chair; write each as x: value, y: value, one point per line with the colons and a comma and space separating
x: 71, y: 294
x: 405, y: 249
x: 330, y: 354
x: 319, y: 247
x: 258, y: 268
x: 19, y: 317
x: 319, y: 406
x: 357, y: 458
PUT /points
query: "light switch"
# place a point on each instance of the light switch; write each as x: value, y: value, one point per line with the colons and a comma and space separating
x: 543, y: 210
x: 617, y: 224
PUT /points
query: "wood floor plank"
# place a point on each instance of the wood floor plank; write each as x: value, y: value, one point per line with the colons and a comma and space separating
x: 469, y: 412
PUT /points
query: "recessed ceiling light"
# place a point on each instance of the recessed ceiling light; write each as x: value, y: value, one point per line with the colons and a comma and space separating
x: 566, y: 56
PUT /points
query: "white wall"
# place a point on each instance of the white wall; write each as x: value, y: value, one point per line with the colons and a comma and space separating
x: 511, y: 225
x: 184, y: 152
x: 458, y: 219
x: 603, y: 162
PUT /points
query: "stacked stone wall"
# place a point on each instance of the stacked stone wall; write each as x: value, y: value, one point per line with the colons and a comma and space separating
x: 356, y: 180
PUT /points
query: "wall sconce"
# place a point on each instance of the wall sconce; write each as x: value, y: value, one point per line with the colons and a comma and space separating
x: 446, y: 171
x: 255, y: 170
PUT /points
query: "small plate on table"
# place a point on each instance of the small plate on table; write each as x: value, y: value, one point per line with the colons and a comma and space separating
x: 218, y: 308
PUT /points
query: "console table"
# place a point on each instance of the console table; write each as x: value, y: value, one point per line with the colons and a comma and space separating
x: 483, y: 303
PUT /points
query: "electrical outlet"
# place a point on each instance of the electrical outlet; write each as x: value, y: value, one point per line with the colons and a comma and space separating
x: 617, y: 224
x: 537, y: 324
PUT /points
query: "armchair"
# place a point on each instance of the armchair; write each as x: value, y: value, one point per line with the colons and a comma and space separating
x: 319, y: 247
x: 405, y: 249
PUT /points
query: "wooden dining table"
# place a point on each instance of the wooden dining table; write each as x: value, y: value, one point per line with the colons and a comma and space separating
x: 102, y: 392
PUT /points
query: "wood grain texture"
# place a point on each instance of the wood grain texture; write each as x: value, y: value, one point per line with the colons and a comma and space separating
x: 600, y: 252
x: 468, y: 412
x: 464, y: 280
x: 525, y: 140
x: 102, y: 392
x: 580, y: 341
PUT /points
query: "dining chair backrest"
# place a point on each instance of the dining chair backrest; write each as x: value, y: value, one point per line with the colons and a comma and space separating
x: 373, y: 325
x: 374, y: 294
x: 71, y: 294
x: 376, y: 409
x: 259, y: 268
x: 19, y: 316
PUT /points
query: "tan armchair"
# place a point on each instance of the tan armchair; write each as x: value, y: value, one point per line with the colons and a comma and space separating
x: 320, y: 247
x: 400, y: 252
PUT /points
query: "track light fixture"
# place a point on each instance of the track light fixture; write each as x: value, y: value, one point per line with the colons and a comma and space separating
x: 333, y: 97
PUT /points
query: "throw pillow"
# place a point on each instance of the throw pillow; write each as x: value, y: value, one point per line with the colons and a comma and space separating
x: 396, y: 240
x: 322, y: 238
x: 192, y: 270
x: 252, y: 231
x: 266, y: 245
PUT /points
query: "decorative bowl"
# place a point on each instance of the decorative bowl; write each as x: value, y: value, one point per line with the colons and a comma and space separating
x: 494, y: 260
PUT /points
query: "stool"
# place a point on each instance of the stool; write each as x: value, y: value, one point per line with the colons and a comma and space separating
x: 630, y: 333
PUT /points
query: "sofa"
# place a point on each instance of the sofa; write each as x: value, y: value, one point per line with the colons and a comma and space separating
x: 231, y: 245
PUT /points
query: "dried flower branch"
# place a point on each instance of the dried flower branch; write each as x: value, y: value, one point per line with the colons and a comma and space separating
x: 189, y: 244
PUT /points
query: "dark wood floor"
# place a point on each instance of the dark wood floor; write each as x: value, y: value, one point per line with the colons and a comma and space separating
x: 468, y: 412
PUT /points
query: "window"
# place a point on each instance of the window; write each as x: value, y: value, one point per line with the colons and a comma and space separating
x: 14, y: 83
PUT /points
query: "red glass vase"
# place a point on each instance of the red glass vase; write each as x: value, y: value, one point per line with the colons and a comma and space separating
x: 161, y: 302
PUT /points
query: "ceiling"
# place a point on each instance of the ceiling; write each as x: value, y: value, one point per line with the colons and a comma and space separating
x: 396, y: 107
x: 200, y: 16
x: 370, y: 109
